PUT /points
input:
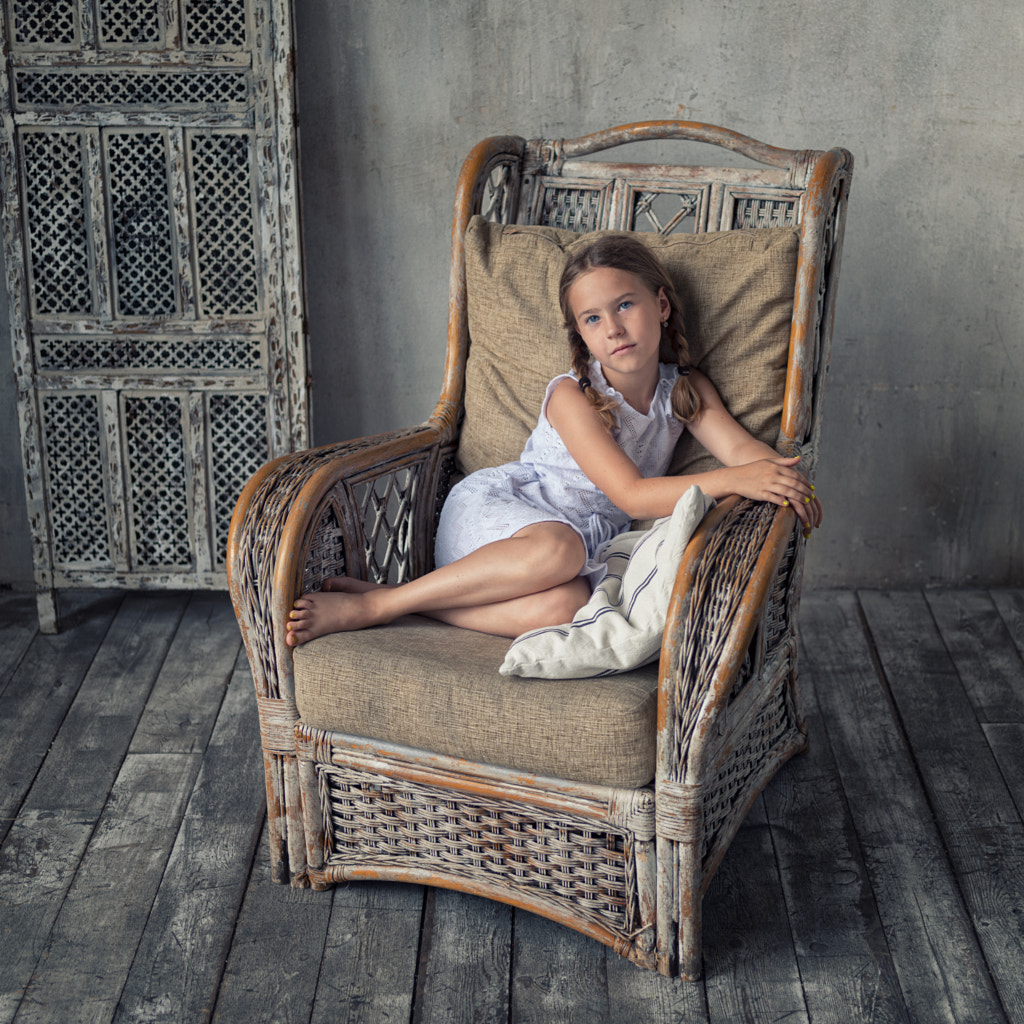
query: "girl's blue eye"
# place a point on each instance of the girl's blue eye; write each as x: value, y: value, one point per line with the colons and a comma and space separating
x: 625, y: 303
x: 593, y: 318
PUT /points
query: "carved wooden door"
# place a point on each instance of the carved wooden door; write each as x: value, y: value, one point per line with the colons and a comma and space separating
x: 153, y: 264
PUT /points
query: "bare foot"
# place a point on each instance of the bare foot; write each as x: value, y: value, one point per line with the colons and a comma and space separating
x: 325, y: 612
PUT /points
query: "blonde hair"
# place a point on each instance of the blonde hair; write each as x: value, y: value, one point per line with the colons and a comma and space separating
x: 624, y: 252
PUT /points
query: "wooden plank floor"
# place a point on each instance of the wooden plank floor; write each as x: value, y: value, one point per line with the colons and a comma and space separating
x: 880, y: 878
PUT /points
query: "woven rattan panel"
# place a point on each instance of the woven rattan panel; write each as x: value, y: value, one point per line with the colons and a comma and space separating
x: 158, y: 341
x: 371, y: 819
x: 753, y: 758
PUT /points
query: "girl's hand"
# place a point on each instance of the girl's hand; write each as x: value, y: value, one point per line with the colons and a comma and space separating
x: 778, y: 481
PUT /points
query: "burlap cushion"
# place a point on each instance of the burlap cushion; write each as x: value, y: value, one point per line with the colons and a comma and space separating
x: 736, y: 288
x: 434, y: 687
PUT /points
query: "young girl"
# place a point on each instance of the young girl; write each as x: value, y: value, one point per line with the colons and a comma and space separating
x: 516, y: 544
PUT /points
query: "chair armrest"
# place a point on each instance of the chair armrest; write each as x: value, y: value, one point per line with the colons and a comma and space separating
x: 730, y: 616
x: 727, y: 715
x: 322, y: 512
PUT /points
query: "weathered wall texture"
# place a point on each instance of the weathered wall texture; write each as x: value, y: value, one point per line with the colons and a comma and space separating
x: 921, y: 474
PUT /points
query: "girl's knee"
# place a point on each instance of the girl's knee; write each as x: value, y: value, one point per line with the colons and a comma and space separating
x: 552, y: 552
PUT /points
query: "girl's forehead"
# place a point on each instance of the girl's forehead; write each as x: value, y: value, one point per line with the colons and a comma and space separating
x: 603, y: 283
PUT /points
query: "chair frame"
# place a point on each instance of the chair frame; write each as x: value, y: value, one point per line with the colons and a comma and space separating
x: 627, y: 867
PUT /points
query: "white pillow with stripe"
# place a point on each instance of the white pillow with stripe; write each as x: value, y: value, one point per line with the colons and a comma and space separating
x: 621, y: 626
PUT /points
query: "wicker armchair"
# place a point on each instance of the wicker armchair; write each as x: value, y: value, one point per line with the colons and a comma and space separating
x: 388, y: 786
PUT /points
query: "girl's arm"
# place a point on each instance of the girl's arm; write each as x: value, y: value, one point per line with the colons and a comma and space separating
x: 752, y: 469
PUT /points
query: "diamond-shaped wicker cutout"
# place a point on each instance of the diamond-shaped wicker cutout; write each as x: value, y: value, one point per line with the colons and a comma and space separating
x: 386, y: 505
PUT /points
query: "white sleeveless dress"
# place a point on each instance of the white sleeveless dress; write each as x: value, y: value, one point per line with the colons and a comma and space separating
x: 546, y: 484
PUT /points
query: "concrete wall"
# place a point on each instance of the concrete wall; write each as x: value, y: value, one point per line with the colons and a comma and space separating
x: 921, y: 472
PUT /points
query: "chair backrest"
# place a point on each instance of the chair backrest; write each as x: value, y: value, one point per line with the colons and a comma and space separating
x: 770, y: 235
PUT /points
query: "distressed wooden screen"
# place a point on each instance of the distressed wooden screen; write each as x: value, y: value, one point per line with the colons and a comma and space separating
x: 152, y: 253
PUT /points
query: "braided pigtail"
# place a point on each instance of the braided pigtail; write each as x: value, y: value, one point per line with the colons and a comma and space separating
x: 686, y: 403
x: 605, y: 405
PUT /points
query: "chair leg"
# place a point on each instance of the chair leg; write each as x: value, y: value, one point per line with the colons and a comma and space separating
x: 690, y: 906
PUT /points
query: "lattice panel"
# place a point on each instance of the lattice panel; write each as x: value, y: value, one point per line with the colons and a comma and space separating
x: 386, y: 506
x: 667, y: 213
x: 78, y: 506
x: 371, y: 818
x: 142, y: 352
x: 130, y: 23
x: 150, y: 247
x: 143, y: 88
x: 141, y: 219
x: 215, y: 24
x: 55, y: 207
x: 226, y: 239
x: 238, y: 447
x: 47, y: 22
x: 159, y: 512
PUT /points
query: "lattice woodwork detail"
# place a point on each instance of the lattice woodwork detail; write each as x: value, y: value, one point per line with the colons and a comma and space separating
x: 238, y: 447
x: 52, y: 22
x: 130, y: 23
x: 141, y: 221
x: 156, y: 459
x: 666, y: 213
x: 78, y: 513
x: 55, y: 206
x: 215, y: 24
x: 147, y: 159
x: 121, y: 89
x: 139, y: 352
x: 226, y: 239
x: 386, y: 506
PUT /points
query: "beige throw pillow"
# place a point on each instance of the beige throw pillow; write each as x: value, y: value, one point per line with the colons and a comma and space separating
x: 736, y: 288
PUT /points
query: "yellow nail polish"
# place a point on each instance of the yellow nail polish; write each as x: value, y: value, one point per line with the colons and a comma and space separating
x: 785, y: 504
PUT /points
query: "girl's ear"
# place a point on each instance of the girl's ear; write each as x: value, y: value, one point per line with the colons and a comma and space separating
x: 664, y: 306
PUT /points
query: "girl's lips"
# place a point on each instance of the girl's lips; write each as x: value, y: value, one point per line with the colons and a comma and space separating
x: 622, y: 348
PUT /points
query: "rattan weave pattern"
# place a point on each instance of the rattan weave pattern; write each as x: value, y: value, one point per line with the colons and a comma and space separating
x: 729, y: 561
x: 370, y: 818
x: 269, y: 509
x: 751, y: 754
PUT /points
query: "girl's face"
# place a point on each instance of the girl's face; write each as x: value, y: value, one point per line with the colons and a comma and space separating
x: 619, y: 318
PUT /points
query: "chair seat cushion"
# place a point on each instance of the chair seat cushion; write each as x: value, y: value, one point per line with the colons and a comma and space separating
x: 424, y: 684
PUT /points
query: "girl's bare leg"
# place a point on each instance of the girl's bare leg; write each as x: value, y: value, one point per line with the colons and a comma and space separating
x: 538, y: 559
x: 521, y: 614
x: 503, y: 618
